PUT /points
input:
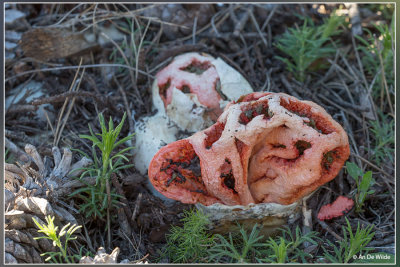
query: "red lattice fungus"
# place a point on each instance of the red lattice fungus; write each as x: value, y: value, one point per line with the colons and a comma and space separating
x: 191, y: 73
x: 266, y: 147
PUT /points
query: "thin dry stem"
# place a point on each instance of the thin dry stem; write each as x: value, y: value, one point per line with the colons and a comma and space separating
x: 127, y: 63
x: 64, y: 105
x: 77, y: 67
x: 65, y: 119
x: 379, y: 45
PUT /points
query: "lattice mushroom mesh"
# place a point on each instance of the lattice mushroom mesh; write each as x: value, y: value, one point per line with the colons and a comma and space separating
x: 266, y: 147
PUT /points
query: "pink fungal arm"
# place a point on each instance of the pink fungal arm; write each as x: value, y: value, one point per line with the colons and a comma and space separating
x: 336, y: 209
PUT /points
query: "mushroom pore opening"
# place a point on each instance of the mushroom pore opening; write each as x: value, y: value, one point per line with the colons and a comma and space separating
x: 251, y: 111
x: 228, y: 180
x: 184, y: 169
x: 301, y: 146
x: 329, y: 158
x: 213, y: 134
x: 197, y: 67
x: 185, y: 89
x: 316, y: 120
x: 219, y: 90
x: 163, y: 88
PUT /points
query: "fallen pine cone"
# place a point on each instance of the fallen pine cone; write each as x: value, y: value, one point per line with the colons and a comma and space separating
x: 101, y: 257
x: 264, y: 148
x: 36, y: 194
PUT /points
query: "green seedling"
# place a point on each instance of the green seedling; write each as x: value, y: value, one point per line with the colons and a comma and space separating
x: 98, y: 197
x: 279, y: 250
x: 128, y: 51
x: 50, y: 232
x: 378, y: 58
x: 288, y: 248
x: 385, y: 9
x: 383, y: 130
x: 363, y: 182
x: 250, y: 248
x: 189, y: 243
x: 8, y: 156
x: 331, y: 25
x: 352, y: 244
x: 243, y: 248
x: 307, y: 46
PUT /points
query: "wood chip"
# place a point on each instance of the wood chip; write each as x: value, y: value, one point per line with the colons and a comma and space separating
x: 51, y: 43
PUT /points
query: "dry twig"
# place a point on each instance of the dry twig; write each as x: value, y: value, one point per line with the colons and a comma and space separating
x: 62, y: 97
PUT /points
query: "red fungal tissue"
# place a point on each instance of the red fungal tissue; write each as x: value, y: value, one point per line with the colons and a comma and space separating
x: 264, y: 148
x: 191, y: 73
x: 336, y: 209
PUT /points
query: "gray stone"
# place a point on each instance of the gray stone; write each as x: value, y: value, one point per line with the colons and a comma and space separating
x: 11, y: 15
x: 33, y: 89
x: 9, y: 56
x: 10, y: 259
x: 9, y: 199
x: 13, y: 36
x: 9, y: 45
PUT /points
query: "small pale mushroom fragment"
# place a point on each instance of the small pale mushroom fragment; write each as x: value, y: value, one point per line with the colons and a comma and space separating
x: 336, y: 209
x: 151, y: 134
x: 189, y: 94
x: 264, y: 148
